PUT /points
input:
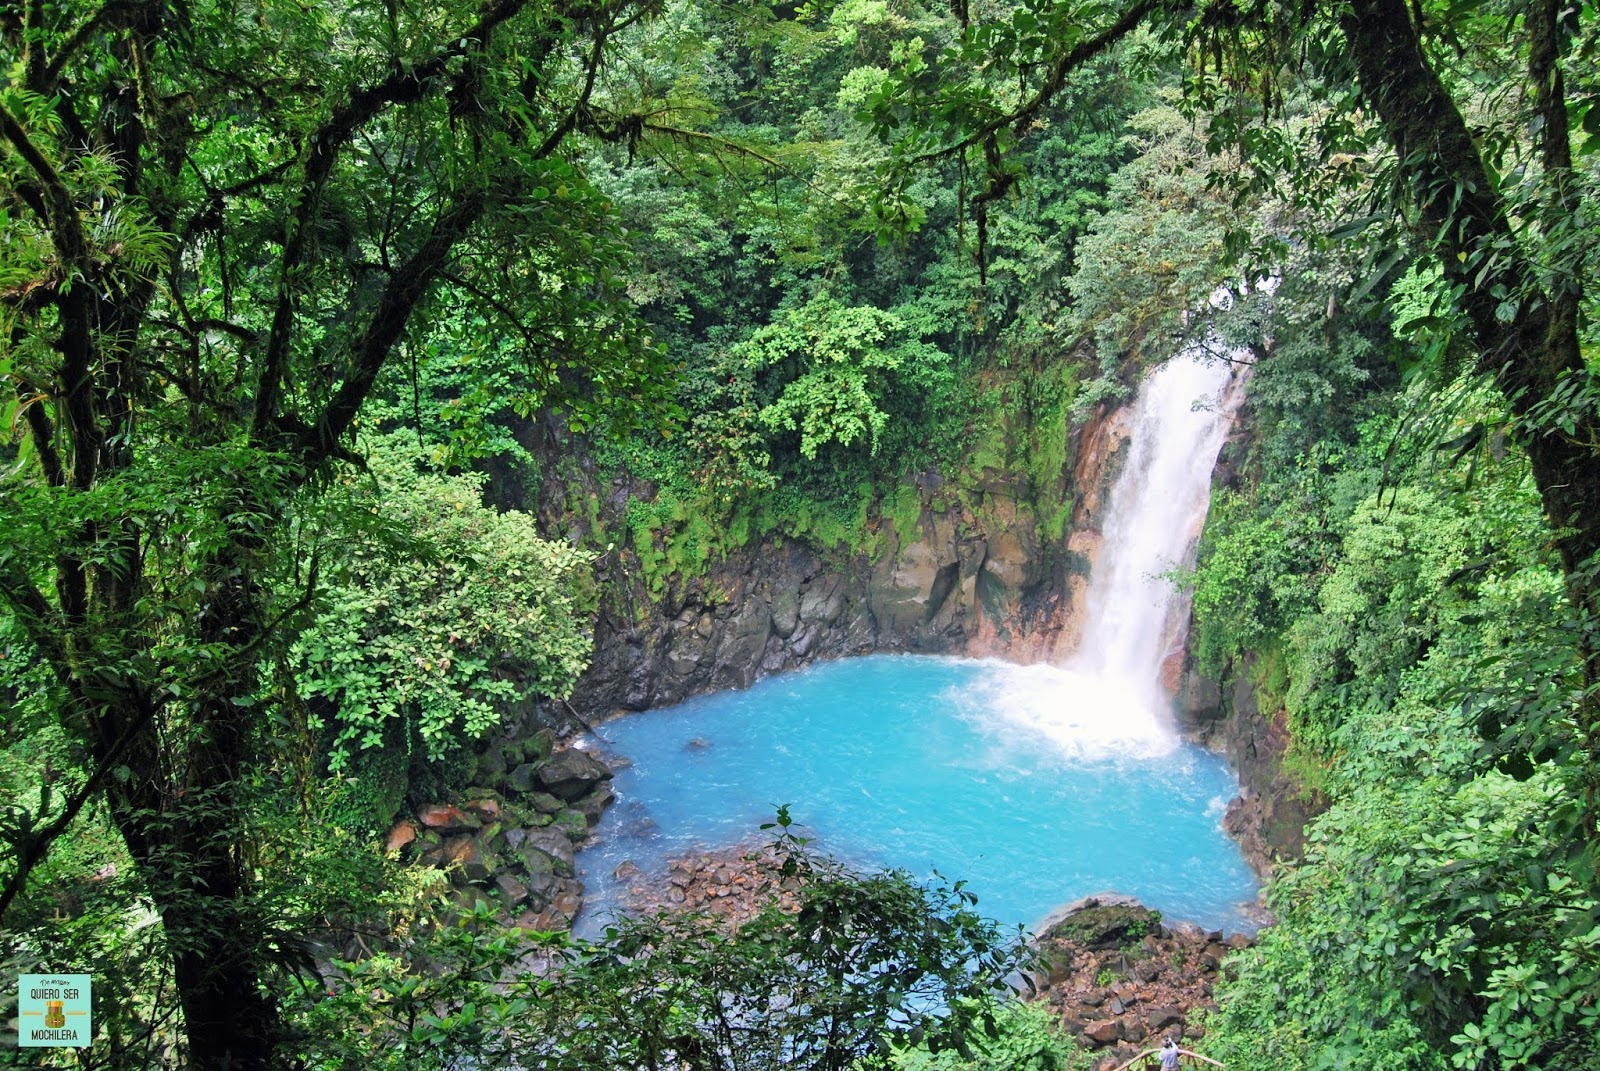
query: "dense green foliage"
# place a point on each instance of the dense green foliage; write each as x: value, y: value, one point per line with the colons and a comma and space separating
x: 429, y: 636
x: 1027, y: 1038
x: 836, y: 971
x: 1397, y: 603
x: 818, y: 364
x: 676, y: 278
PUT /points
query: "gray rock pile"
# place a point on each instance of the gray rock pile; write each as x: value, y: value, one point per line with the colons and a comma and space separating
x: 513, y: 845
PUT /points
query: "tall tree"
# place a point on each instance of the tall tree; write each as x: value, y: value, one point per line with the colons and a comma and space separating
x: 222, y: 222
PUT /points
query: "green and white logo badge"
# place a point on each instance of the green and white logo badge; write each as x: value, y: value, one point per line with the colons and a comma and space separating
x: 53, y: 1009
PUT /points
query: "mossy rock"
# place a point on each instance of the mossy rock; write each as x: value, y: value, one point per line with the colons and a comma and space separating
x: 573, y: 823
x: 1102, y: 927
x: 491, y: 765
x: 544, y: 803
x: 540, y: 746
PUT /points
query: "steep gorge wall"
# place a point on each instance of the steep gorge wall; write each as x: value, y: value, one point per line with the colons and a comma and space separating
x: 977, y: 573
x: 1248, y: 725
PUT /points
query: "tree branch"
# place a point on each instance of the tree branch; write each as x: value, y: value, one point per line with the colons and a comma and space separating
x: 1064, y: 65
x: 32, y: 853
x: 42, y: 432
x: 403, y: 85
x: 79, y: 38
x: 406, y: 288
x: 74, y: 301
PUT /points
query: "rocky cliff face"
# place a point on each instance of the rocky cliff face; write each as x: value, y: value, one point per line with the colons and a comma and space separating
x: 976, y: 574
x: 1269, y: 816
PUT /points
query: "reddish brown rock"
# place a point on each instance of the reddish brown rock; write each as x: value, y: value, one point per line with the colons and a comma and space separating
x: 465, y: 852
x: 447, y: 818
x: 1113, y: 962
x: 1102, y: 1033
x: 487, y: 809
x: 400, y: 836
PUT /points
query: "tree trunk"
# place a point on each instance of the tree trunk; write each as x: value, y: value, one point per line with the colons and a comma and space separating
x: 180, y: 813
x: 192, y: 875
x: 1529, y: 347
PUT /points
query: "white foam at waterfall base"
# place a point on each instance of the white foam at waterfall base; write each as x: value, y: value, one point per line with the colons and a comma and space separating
x: 1081, y: 716
x: 1107, y: 702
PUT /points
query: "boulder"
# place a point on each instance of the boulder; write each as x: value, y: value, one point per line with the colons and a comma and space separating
x: 536, y: 861
x: 552, y: 842
x: 1159, y: 1018
x: 465, y: 852
x: 430, y: 848
x: 594, y: 804
x: 492, y: 764
x: 540, y: 745
x: 1102, y: 1033
x: 572, y: 774
x: 558, y: 904
x: 447, y: 818
x: 1058, y: 965
x: 575, y: 824
x: 1099, y: 926
x: 513, y: 892
x: 399, y: 837
x: 524, y: 778
x: 487, y: 809
x: 545, y: 803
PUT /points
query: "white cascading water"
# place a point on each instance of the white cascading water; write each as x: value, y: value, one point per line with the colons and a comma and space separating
x: 1154, y: 518
x: 1107, y: 700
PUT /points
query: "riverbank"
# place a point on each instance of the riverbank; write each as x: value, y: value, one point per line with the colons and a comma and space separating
x: 1116, y: 975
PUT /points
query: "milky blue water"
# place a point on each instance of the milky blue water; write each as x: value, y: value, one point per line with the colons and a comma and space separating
x: 979, y: 770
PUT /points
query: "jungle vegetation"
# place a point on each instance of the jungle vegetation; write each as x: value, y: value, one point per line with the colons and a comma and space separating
x: 300, y: 302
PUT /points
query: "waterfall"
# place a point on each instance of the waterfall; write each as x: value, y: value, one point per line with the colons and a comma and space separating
x: 1107, y: 699
x: 1154, y: 517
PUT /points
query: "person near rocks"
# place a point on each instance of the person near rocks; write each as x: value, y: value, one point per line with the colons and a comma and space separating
x: 1169, y: 1055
